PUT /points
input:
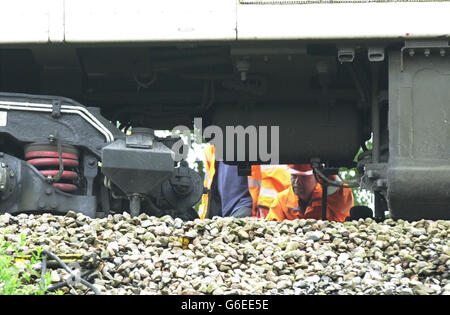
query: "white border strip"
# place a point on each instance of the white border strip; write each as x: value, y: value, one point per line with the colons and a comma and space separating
x: 290, y: 2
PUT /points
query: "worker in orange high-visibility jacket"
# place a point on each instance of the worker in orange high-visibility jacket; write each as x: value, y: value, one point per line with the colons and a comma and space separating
x: 255, y: 193
x: 303, y: 199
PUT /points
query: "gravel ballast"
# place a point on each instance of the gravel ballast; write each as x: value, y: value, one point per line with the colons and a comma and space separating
x: 144, y: 255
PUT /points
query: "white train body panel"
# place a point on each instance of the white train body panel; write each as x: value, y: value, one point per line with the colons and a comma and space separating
x: 140, y: 20
x: 344, y: 20
x: 76, y: 21
x: 25, y: 21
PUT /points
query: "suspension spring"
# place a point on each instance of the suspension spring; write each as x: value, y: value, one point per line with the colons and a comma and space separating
x: 46, y: 158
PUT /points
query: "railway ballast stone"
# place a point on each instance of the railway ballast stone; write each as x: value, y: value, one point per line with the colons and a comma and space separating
x: 144, y: 255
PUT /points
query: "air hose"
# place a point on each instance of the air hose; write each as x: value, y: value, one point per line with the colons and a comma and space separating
x: 46, y: 254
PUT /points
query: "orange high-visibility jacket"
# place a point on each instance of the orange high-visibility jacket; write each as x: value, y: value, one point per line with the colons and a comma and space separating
x: 264, y: 184
x: 286, y: 205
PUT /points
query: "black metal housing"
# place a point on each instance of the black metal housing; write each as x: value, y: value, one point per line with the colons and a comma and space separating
x: 331, y: 132
x: 37, y: 131
x: 137, y: 170
x: 419, y: 135
x: 30, y: 192
x: 31, y: 126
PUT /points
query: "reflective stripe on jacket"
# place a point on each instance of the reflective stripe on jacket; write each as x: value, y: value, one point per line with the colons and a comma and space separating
x: 210, y: 170
x: 286, y: 205
x: 274, y: 179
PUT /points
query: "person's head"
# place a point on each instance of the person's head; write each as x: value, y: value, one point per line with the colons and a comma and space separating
x: 302, y: 180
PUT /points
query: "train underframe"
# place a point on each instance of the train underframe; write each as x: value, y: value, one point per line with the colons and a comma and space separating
x: 64, y: 110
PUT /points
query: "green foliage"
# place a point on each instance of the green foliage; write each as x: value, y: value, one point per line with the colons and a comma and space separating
x: 362, y: 197
x: 15, y: 280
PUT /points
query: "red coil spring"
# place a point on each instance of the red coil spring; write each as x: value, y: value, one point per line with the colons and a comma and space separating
x: 47, y: 162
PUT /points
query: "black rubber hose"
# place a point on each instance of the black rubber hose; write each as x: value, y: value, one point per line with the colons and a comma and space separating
x: 66, y: 268
x: 61, y: 284
x: 332, y: 182
x: 43, y: 272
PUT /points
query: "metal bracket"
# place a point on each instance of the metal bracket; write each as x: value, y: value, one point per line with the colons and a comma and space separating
x: 346, y: 54
x: 375, y: 177
x: 243, y: 65
x: 375, y: 54
x: 427, y: 46
x: 90, y: 171
x: 244, y: 169
x: 56, y: 108
x: 141, y: 138
x: 48, y: 200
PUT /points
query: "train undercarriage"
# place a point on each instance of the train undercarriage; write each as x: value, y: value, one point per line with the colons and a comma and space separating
x: 64, y: 110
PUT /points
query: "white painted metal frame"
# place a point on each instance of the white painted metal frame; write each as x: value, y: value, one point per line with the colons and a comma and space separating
x: 28, y: 21
x: 91, y: 21
x: 340, y: 21
x: 154, y: 20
